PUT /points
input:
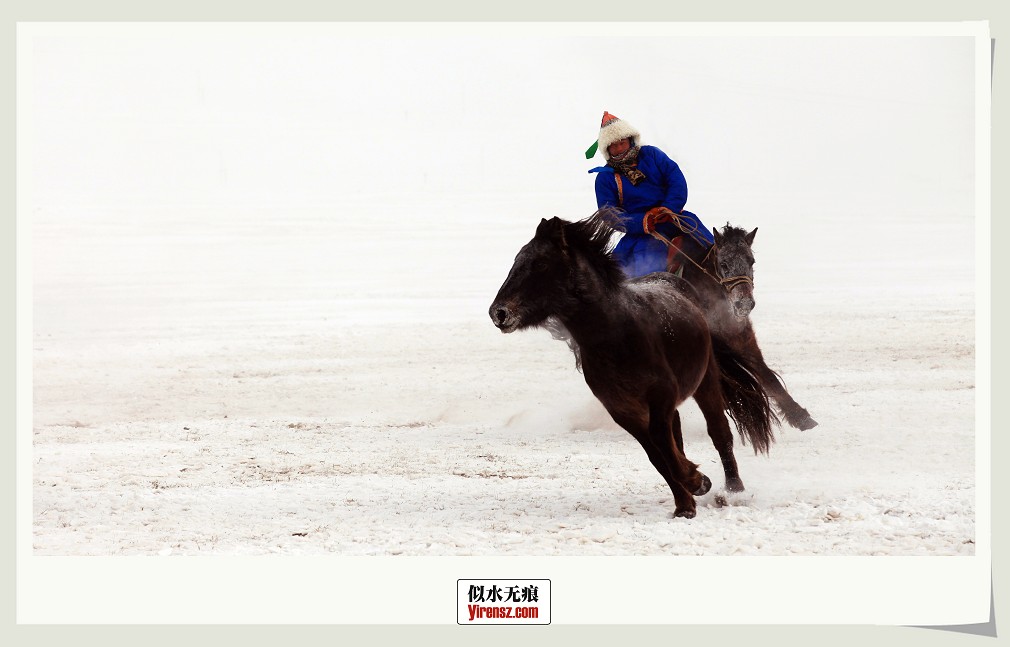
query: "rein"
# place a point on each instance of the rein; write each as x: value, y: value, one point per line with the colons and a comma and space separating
x: 727, y: 283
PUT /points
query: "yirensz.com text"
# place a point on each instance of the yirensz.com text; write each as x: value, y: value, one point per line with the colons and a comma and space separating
x: 478, y: 612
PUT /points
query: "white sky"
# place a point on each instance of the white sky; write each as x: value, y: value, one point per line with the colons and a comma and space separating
x: 316, y: 115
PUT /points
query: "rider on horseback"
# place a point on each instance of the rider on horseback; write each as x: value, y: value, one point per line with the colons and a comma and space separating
x: 651, y: 190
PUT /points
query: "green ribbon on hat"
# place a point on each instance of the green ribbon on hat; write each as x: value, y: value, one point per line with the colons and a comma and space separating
x: 592, y: 150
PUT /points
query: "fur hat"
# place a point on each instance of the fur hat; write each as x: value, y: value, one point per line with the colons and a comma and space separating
x: 613, y: 129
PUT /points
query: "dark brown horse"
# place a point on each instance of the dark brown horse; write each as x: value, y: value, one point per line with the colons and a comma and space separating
x: 644, y: 346
x: 724, y: 280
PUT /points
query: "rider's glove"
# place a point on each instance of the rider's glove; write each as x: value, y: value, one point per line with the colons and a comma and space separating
x: 656, y: 216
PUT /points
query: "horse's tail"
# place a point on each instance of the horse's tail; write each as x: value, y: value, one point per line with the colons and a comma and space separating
x: 746, y: 401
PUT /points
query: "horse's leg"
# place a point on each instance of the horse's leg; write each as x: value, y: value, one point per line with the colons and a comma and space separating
x: 681, y: 496
x: 689, y: 481
x: 794, y: 414
x: 712, y: 403
x: 678, y: 439
x: 660, y: 459
x: 678, y: 435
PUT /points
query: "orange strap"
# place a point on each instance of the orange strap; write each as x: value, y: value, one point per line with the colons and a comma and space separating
x: 620, y: 190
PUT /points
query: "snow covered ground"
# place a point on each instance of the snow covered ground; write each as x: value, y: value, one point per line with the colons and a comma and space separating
x: 251, y: 381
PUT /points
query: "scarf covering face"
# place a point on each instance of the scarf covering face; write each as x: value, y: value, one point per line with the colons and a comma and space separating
x: 627, y: 165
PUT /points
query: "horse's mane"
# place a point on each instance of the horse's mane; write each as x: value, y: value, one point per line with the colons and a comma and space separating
x: 733, y: 234
x: 593, y: 237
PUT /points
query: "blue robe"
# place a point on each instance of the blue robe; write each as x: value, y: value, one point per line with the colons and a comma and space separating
x: 664, y: 186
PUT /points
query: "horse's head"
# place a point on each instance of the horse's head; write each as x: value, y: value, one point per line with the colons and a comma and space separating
x: 734, y: 267
x: 538, y: 281
x: 563, y: 260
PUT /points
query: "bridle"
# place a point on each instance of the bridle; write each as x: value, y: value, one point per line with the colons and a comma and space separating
x: 727, y: 283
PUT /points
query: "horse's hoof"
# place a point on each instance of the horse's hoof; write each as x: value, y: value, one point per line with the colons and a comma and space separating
x: 734, y: 485
x: 806, y: 423
x: 686, y: 514
x: 706, y: 485
x: 801, y: 420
